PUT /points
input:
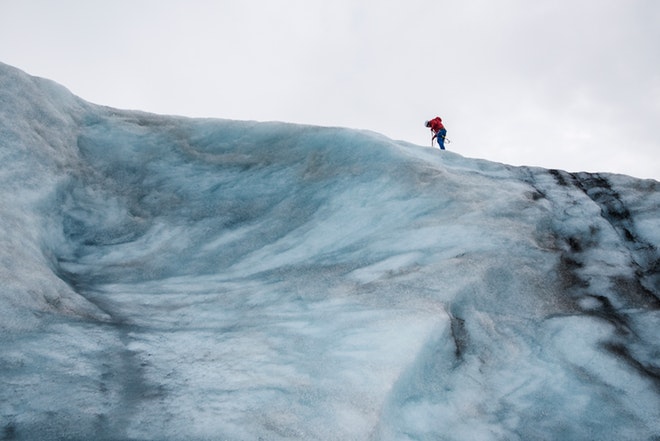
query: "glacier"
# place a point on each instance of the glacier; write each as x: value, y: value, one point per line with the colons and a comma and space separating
x: 171, y: 278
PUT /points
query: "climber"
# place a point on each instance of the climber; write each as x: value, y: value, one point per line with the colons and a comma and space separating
x: 438, y: 130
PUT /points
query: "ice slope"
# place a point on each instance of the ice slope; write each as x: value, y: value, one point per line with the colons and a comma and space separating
x: 166, y: 278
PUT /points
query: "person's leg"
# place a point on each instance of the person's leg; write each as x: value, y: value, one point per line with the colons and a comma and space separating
x: 441, y: 138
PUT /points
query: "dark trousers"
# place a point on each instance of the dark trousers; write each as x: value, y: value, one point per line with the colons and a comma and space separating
x: 440, y: 137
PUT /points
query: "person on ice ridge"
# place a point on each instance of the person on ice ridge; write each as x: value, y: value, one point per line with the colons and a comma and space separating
x: 439, y: 131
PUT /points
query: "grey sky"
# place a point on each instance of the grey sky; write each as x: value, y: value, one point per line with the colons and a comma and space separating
x: 554, y: 83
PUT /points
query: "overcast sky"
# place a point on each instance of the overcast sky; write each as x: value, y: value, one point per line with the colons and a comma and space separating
x: 569, y: 84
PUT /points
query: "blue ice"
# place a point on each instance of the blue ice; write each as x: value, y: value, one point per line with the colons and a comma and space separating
x: 167, y: 278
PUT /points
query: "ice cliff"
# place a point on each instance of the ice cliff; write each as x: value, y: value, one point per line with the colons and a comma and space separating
x: 166, y: 278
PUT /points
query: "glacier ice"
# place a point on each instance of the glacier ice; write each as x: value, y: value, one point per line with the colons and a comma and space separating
x: 174, y: 278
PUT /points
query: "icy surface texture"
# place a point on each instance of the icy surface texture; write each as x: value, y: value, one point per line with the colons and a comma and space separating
x: 166, y: 278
